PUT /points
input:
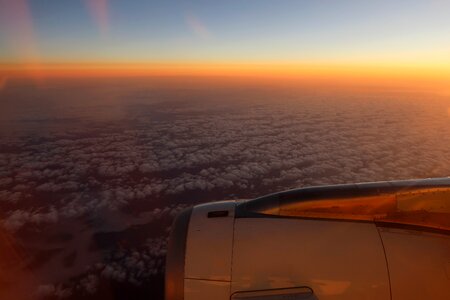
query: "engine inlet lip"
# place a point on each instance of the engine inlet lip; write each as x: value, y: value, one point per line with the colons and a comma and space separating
x: 175, y: 258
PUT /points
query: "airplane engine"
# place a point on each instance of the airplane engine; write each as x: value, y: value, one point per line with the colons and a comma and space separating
x: 381, y: 241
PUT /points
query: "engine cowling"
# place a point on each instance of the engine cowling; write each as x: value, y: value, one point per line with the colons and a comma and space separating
x: 358, y: 241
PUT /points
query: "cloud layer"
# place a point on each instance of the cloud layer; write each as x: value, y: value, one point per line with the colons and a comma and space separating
x: 163, y: 156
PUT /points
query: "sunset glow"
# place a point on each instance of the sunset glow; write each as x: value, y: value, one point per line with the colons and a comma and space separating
x: 418, y: 77
x: 383, y: 43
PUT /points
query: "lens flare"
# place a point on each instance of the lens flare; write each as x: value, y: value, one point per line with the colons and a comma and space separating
x: 3, y: 81
x: 196, y: 26
x: 100, y: 14
x: 16, y: 19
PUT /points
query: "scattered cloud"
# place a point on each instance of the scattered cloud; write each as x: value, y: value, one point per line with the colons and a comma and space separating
x: 247, y: 153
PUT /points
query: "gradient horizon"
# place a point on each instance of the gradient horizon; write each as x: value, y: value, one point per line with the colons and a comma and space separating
x: 406, y: 42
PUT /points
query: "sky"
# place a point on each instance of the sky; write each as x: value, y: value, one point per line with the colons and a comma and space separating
x: 337, y: 34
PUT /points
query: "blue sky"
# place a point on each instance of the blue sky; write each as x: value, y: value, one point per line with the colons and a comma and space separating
x: 227, y: 31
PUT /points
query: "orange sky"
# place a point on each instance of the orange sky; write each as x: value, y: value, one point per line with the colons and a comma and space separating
x: 346, y: 74
x: 347, y: 42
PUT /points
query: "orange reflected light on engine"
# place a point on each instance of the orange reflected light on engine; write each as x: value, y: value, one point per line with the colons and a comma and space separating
x: 428, y: 208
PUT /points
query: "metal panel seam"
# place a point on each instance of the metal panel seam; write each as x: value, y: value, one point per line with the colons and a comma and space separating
x: 385, y: 258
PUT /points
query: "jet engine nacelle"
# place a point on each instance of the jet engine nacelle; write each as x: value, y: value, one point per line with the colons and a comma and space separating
x: 384, y: 240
